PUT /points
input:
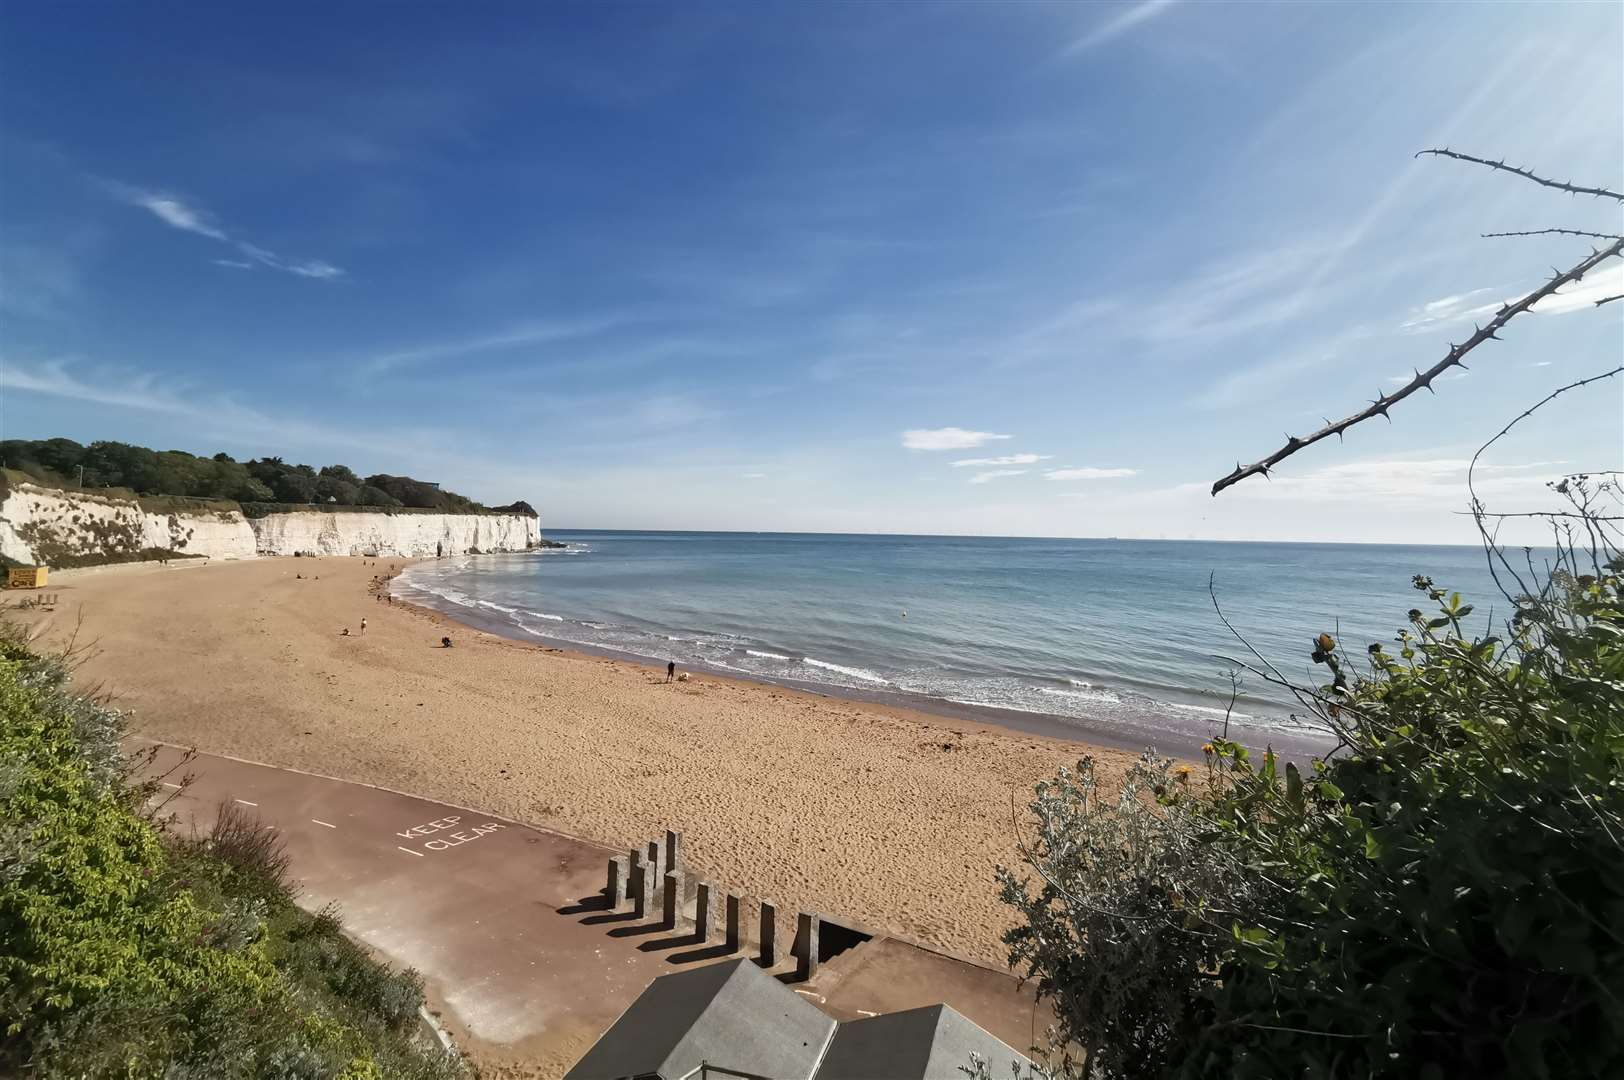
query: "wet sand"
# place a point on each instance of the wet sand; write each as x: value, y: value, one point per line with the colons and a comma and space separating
x: 885, y: 816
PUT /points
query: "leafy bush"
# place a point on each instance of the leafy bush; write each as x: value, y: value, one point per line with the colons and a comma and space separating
x: 1443, y: 895
x: 124, y: 953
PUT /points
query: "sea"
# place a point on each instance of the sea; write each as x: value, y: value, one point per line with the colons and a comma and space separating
x: 1114, y: 641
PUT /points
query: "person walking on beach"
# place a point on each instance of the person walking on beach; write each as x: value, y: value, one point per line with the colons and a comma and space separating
x: 363, y: 626
x: 670, y: 670
x: 439, y: 550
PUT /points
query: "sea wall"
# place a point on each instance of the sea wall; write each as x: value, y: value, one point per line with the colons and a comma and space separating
x: 77, y: 528
x: 375, y: 532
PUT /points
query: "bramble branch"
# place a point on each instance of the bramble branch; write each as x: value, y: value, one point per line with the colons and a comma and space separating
x: 1383, y: 402
x: 1553, y: 232
x: 1528, y: 174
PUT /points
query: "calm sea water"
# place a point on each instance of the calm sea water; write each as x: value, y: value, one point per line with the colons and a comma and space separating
x: 1112, y: 637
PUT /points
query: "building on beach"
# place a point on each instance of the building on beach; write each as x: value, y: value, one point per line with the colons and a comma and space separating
x: 733, y: 1019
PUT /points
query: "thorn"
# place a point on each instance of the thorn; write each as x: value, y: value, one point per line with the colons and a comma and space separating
x: 1462, y: 366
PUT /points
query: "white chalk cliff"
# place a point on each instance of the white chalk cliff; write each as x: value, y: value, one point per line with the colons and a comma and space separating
x: 367, y: 532
x: 56, y: 528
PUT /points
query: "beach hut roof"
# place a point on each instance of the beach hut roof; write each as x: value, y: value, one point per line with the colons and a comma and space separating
x: 736, y: 1016
x: 930, y: 1043
x: 731, y: 1014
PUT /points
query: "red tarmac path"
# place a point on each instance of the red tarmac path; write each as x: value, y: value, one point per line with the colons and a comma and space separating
x: 520, y: 966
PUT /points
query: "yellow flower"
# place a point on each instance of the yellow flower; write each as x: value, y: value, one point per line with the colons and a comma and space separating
x: 1206, y: 748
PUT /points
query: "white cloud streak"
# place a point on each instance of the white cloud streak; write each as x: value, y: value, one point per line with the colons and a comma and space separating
x: 995, y: 474
x: 173, y: 211
x: 1125, y: 20
x: 1007, y: 459
x: 540, y: 333
x: 947, y: 438
x: 1088, y: 473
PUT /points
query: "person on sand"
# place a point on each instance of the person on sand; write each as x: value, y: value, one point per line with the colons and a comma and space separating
x: 670, y: 670
x: 445, y: 643
x: 439, y: 551
x: 363, y: 626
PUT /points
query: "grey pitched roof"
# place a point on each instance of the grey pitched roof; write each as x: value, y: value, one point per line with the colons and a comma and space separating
x: 731, y: 1014
x: 931, y: 1043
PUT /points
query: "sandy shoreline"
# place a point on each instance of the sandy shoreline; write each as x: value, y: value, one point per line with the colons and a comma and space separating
x: 887, y: 816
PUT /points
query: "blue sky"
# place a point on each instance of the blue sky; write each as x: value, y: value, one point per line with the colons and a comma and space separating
x: 958, y: 268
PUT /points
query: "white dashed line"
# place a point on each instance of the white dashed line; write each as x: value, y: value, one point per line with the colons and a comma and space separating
x: 865, y: 1012
x: 409, y: 851
x: 245, y: 802
x: 166, y: 783
x: 318, y: 821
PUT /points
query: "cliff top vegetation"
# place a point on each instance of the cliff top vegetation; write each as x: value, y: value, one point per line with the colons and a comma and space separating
x: 264, y: 481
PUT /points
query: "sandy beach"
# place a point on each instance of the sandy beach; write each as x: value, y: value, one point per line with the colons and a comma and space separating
x: 892, y: 818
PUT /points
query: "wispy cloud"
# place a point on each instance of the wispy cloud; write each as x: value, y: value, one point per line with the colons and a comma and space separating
x: 1007, y: 459
x: 535, y: 333
x: 123, y: 388
x: 1468, y: 306
x: 1118, y: 24
x: 947, y: 438
x: 172, y: 211
x: 1088, y: 473
x: 995, y: 474
x: 753, y: 476
x: 177, y: 213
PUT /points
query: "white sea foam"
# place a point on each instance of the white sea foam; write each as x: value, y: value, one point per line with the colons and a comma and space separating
x: 544, y: 615
x: 766, y: 655
x: 856, y: 673
x: 1080, y: 695
x: 499, y: 607
x: 1205, y: 709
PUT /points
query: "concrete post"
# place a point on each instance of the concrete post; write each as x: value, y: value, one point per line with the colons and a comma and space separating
x: 616, y: 890
x: 642, y: 888
x: 673, y: 850
x: 705, y: 894
x: 806, y: 944
x: 731, y: 920
x: 656, y: 859
x: 769, y: 934
x: 673, y: 900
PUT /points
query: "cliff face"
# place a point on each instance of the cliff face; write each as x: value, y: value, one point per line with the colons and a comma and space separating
x: 379, y: 533
x: 69, y: 528
x: 74, y: 528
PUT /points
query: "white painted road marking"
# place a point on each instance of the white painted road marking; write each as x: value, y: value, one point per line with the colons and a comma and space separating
x: 318, y: 821
x: 409, y: 851
x: 245, y: 802
x: 166, y: 783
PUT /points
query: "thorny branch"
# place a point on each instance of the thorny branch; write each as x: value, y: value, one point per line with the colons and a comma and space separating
x: 1552, y: 232
x: 1527, y: 174
x: 1423, y: 379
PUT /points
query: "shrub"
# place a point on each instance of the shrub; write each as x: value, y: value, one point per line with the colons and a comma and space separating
x: 123, y: 953
x: 254, y: 851
x: 1443, y: 895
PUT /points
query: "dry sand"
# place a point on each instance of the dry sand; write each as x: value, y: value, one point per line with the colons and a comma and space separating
x: 891, y: 818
